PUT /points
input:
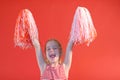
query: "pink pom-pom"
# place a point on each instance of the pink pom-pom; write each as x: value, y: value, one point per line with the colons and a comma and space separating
x: 83, y: 30
x: 25, y: 29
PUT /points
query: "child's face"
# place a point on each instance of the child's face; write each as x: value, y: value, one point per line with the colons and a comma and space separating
x: 52, y: 51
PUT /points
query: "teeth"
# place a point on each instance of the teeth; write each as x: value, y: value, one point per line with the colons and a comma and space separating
x: 52, y: 56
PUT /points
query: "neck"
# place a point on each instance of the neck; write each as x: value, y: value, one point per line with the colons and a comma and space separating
x: 54, y: 64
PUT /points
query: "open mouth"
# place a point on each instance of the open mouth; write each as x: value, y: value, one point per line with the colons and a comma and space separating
x: 52, y: 56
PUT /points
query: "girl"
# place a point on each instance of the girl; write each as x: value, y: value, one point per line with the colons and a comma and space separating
x: 53, y: 69
x: 82, y: 31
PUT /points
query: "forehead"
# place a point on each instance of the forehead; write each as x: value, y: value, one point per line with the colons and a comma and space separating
x: 51, y: 43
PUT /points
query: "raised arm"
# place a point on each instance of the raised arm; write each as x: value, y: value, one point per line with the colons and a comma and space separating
x: 68, y: 56
x: 40, y: 59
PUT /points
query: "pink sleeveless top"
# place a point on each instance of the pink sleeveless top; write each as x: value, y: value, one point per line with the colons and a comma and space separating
x: 54, y: 73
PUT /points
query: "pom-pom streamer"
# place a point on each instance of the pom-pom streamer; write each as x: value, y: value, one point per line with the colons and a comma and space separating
x: 82, y: 30
x: 25, y: 29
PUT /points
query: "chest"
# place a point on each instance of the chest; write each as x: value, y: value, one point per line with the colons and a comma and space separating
x: 54, y: 73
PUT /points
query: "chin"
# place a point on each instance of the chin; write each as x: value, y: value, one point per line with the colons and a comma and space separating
x: 55, y: 61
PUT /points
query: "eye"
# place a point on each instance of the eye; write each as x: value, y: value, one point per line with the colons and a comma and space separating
x: 55, y: 48
x: 48, y: 49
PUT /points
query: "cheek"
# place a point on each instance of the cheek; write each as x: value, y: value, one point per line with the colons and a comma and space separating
x: 58, y: 54
x: 47, y: 55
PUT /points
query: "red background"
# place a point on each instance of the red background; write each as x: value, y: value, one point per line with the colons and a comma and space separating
x: 100, y: 61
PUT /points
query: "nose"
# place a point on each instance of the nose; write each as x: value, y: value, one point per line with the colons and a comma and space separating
x: 51, y: 50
